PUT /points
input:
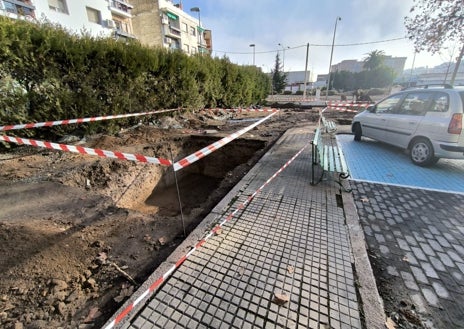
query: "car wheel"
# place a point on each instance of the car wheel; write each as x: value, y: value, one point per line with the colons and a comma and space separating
x: 421, y: 153
x: 357, y: 132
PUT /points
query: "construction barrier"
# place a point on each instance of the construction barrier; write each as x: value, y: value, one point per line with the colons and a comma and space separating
x: 127, y: 156
x: 81, y: 120
x: 164, y: 277
x: 347, y: 104
x: 342, y: 109
x: 86, y: 150
x: 244, y: 110
x: 187, y: 161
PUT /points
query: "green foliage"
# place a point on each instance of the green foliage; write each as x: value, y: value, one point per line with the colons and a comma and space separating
x: 47, y: 74
x: 376, y: 78
x: 278, y: 77
x: 374, y: 60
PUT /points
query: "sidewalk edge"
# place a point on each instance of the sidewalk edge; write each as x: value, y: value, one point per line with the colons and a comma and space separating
x: 372, y: 303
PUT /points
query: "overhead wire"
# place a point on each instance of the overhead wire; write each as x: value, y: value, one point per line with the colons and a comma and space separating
x: 311, y: 45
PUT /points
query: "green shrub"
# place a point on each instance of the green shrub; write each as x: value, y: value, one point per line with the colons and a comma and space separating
x: 47, y: 74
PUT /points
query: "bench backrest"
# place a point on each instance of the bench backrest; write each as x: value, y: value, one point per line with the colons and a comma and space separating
x: 317, y: 137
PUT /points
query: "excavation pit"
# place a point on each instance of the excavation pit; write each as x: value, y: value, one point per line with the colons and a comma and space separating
x: 201, y: 184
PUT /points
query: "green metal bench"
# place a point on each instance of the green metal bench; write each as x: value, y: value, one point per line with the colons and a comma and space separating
x: 329, y: 125
x: 329, y: 158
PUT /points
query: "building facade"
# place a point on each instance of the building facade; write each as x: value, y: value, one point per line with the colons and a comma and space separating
x: 355, y: 66
x: 179, y: 30
x: 17, y: 9
x: 296, y: 81
x: 155, y: 23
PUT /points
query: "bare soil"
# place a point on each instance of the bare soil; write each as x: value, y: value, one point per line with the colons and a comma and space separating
x: 78, y: 234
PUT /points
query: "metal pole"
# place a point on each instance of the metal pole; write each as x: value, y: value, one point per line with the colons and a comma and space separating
x: 178, y: 196
x: 456, y: 67
x: 306, y: 71
x: 283, y: 56
x: 254, y: 47
x: 412, y: 68
x: 331, y: 54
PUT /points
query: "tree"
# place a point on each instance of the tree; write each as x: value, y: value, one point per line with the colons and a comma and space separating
x: 278, y: 77
x: 374, y: 60
x: 433, y: 23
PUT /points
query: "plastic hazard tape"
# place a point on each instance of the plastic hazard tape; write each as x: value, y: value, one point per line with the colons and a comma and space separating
x: 147, y: 293
x: 187, y: 161
x: 244, y: 110
x: 81, y: 120
x: 342, y: 109
x: 86, y: 150
x: 255, y: 110
x: 347, y: 104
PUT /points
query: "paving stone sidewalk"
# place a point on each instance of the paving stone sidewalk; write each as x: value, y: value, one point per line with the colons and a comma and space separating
x: 291, y: 239
x: 416, y: 241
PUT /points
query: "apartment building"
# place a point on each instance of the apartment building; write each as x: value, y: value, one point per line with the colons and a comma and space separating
x: 17, y: 9
x: 155, y: 23
x: 165, y: 23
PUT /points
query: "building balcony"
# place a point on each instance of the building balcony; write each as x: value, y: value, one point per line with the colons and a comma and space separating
x: 121, y: 8
x: 17, y: 9
x: 124, y: 34
x: 173, y: 32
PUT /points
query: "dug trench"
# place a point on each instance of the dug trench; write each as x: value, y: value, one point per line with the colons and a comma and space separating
x: 80, y: 234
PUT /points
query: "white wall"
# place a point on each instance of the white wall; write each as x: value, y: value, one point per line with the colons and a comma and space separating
x: 76, y: 19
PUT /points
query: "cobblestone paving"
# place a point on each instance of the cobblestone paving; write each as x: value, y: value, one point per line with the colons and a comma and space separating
x: 291, y: 239
x: 416, y: 243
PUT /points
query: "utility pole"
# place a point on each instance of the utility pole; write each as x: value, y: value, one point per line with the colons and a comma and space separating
x: 331, y: 54
x: 456, y: 67
x: 306, y: 71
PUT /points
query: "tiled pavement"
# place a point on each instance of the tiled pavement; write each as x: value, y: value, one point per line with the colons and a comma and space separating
x: 417, y: 238
x: 291, y: 239
x: 377, y: 162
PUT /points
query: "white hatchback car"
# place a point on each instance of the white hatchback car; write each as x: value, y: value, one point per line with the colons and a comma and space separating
x: 427, y: 121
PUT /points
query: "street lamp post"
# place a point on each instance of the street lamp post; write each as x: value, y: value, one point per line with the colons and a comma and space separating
x: 197, y: 10
x: 331, y: 54
x: 254, y: 47
x: 283, y: 56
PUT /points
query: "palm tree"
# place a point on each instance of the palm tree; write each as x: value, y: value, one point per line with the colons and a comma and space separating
x: 374, y: 60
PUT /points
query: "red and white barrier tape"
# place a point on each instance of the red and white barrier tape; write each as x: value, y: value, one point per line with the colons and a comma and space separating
x: 81, y: 120
x: 86, y: 150
x: 347, y: 104
x: 187, y: 161
x: 163, y: 278
x: 342, y: 109
x: 244, y: 110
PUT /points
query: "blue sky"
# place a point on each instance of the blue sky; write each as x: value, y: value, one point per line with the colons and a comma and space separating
x: 236, y: 24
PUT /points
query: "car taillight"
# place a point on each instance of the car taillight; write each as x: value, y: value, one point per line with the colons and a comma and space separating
x: 455, y: 125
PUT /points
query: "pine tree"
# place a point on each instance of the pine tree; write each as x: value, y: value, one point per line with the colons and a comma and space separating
x: 279, y: 78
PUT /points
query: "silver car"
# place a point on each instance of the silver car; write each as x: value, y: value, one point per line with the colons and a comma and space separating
x: 427, y: 121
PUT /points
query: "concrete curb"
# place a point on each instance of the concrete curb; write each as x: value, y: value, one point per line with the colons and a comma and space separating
x: 372, y: 303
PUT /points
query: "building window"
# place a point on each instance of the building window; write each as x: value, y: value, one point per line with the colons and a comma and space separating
x: 17, y: 8
x: 184, y: 27
x: 9, y: 7
x: 192, y: 31
x: 58, y: 5
x: 186, y: 49
x: 93, y: 15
